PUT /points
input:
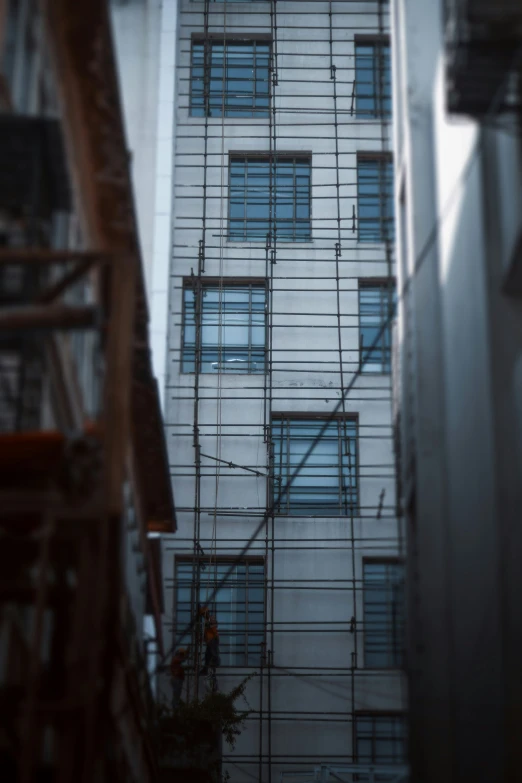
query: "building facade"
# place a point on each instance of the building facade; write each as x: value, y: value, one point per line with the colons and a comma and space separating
x: 278, y: 396
x: 458, y: 191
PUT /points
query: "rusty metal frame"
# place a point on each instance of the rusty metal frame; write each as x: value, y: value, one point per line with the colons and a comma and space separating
x: 97, y: 670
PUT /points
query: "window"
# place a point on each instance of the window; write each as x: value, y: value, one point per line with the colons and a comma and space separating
x: 270, y: 198
x: 11, y: 41
x: 380, y: 739
x: 28, y: 68
x: 232, y: 76
x: 376, y: 308
x: 238, y: 605
x: 375, y: 198
x: 372, y: 79
x: 232, y: 333
x: 21, y: 383
x: 383, y: 607
x: 327, y: 483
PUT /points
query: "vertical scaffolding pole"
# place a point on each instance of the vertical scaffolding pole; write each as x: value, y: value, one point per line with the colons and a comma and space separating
x: 198, y: 307
x: 345, y: 441
x: 272, y: 261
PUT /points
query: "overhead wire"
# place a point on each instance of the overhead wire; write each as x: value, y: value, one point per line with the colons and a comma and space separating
x: 430, y: 241
x: 424, y: 253
x: 420, y: 259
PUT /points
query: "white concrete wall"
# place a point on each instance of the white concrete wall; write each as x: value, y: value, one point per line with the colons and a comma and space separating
x: 145, y: 38
x: 423, y: 457
x: 304, y: 299
x: 136, y: 25
x: 463, y: 187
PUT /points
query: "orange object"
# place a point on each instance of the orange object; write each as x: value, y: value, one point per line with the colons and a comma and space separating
x: 31, y: 450
x: 39, y: 449
x: 211, y: 628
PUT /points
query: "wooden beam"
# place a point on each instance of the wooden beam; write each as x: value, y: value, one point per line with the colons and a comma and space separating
x: 49, y: 317
x: 155, y: 526
x: 18, y: 503
x: 118, y: 376
x: 93, y: 122
x: 66, y: 281
x: 38, y: 257
x: 69, y: 414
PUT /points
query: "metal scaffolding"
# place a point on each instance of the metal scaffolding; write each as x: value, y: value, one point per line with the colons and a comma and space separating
x: 334, y: 378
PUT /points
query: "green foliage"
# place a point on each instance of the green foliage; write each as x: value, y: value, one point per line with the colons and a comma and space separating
x: 192, y: 729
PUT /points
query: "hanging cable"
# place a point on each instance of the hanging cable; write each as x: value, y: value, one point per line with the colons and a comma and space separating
x: 283, y: 492
x: 314, y: 129
x: 198, y: 316
x: 221, y: 315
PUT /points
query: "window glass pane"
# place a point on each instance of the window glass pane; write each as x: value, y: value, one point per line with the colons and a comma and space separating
x: 365, y: 86
x: 376, y: 308
x: 231, y: 78
x: 238, y: 607
x: 383, y: 607
x: 380, y: 739
x: 372, y: 80
x: 259, y: 192
x: 189, y: 331
x: 327, y: 481
x: 232, y: 333
x: 375, y: 200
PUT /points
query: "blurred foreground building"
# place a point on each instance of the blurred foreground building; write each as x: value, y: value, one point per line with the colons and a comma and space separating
x: 458, y: 172
x: 83, y: 465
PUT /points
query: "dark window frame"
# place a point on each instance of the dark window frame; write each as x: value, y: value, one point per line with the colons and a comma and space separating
x: 198, y: 349
x: 387, y: 290
x: 227, y: 651
x: 381, y: 57
x: 393, y: 655
x: 348, y: 496
x: 271, y: 223
x: 210, y: 109
x: 377, y: 229
x: 375, y: 715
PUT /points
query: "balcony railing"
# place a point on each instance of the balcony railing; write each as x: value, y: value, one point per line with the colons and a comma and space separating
x: 484, y: 57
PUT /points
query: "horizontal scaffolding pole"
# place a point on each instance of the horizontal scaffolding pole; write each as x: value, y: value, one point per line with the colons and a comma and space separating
x: 319, y: 545
x: 227, y: 550
x: 49, y: 317
x: 37, y: 257
x: 320, y: 417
